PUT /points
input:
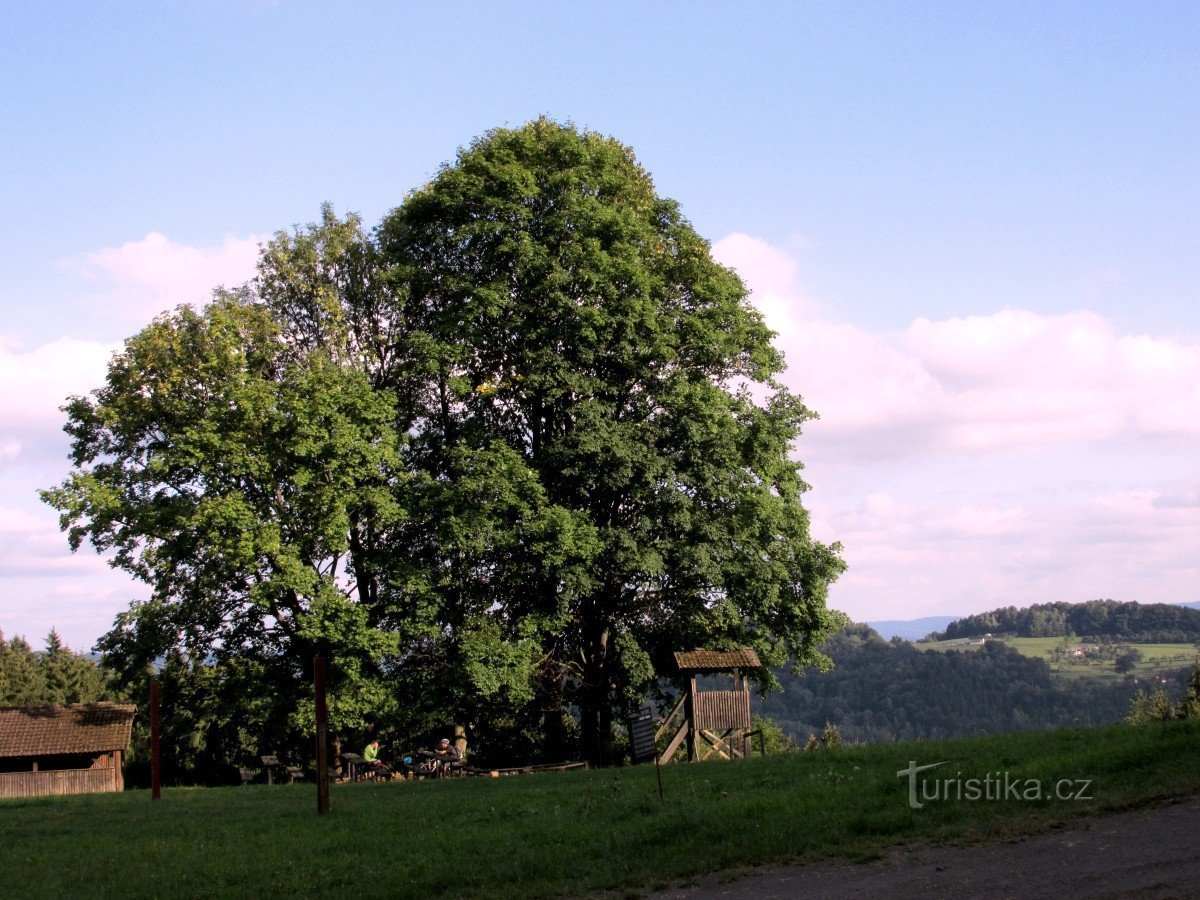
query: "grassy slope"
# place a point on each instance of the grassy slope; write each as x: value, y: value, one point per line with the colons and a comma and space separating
x: 1156, y: 658
x: 567, y: 833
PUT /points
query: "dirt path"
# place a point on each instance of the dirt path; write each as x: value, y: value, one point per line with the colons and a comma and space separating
x: 1145, y: 853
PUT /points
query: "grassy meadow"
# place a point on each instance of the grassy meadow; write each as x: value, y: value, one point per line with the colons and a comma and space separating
x: 574, y: 832
x: 1156, y: 658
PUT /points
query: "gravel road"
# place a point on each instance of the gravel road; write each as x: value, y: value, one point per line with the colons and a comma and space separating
x: 1146, y: 853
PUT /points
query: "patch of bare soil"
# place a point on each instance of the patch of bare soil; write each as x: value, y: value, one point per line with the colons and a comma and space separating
x: 1145, y: 853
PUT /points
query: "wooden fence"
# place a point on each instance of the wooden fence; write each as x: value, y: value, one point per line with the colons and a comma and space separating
x: 58, y: 782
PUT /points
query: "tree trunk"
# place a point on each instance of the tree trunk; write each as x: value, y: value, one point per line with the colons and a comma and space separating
x: 595, y: 708
x: 554, y: 730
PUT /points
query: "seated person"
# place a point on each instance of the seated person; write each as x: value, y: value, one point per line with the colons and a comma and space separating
x: 437, y: 763
x: 449, y: 755
x: 372, y: 762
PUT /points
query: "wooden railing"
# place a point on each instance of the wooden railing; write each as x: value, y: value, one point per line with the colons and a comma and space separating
x: 57, y: 782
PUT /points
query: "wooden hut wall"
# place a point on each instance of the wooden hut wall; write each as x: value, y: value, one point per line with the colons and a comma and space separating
x: 59, y: 782
x: 722, y: 710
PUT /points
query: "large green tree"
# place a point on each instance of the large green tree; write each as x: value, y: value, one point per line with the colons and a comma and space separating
x: 498, y: 458
x: 226, y: 467
x: 574, y: 321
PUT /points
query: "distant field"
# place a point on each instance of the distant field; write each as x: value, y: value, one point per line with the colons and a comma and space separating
x: 1156, y: 658
x: 577, y: 833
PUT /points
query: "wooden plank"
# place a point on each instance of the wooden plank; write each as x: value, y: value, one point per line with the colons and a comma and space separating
x: 714, y: 749
x: 662, y: 729
x: 691, y: 719
x: 669, y: 753
x: 717, y: 744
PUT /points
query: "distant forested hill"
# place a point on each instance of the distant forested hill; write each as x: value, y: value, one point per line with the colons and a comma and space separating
x: 881, y: 691
x: 1150, y: 623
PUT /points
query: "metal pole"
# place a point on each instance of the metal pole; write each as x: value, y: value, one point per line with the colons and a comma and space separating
x: 155, y: 767
x: 322, y: 736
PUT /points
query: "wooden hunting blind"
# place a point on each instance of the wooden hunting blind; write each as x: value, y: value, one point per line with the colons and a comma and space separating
x: 718, y: 718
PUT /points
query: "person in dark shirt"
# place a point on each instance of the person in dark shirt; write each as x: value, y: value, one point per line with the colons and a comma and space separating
x: 448, y: 755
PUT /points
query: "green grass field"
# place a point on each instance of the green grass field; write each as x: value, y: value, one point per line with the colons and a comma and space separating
x: 569, y: 833
x: 1156, y: 658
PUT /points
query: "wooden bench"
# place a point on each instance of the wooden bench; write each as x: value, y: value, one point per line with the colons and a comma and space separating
x: 270, y: 763
x: 356, y: 768
x: 295, y: 773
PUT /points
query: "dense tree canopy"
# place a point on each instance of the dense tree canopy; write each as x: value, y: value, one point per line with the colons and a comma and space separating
x: 1098, y: 619
x: 577, y: 323
x: 55, y: 675
x: 881, y: 691
x: 498, y: 459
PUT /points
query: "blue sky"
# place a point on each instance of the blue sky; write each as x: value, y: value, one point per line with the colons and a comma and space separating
x: 975, y: 229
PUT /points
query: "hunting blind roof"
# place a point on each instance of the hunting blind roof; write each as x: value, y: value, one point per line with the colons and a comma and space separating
x: 716, y: 660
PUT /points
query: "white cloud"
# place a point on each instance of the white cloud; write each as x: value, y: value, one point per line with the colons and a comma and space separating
x: 1007, y: 380
x: 41, y: 582
x: 770, y: 273
x: 34, y: 384
x: 142, y: 278
x: 983, y: 461
x: 43, y: 585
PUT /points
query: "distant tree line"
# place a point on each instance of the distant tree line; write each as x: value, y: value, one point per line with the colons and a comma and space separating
x: 880, y: 691
x: 55, y: 675
x: 1148, y: 623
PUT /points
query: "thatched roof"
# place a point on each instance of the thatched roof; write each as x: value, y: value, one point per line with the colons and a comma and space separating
x: 716, y: 660
x: 76, y: 728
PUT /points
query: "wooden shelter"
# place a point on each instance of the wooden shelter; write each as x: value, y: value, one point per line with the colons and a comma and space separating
x: 53, y: 750
x: 715, y: 722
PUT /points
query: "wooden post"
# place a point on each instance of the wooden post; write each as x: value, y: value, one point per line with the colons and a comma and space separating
x: 691, y: 719
x: 322, y: 736
x: 155, y: 767
x: 737, y: 740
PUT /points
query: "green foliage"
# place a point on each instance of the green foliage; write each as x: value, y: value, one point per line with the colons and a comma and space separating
x: 1160, y: 623
x: 1150, y: 706
x: 881, y: 691
x: 775, y: 739
x: 1189, y: 706
x: 22, y: 679
x: 226, y: 475
x: 497, y: 460
x: 830, y: 739
x: 1127, y: 660
x: 55, y: 676
x: 572, y: 317
x: 1156, y: 706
